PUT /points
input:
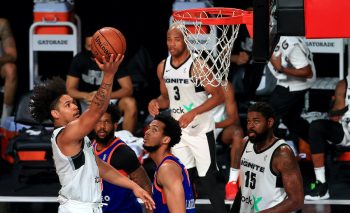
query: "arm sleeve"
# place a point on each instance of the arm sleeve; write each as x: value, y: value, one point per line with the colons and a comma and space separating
x: 124, y: 158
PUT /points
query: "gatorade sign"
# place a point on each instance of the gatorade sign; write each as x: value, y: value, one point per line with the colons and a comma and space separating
x: 53, y: 42
x: 325, y: 45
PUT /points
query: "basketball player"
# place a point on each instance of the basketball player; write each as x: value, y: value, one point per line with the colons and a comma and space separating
x: 191, y: 106
x: 334, y: 130
x: 84, y: 78
x: 78, y: 169
x: 115, y: 152
x: 228, y: 130
x: 270, y: 178
x: 292, y: 64
x: 172, y: 191
x: 8, y: 68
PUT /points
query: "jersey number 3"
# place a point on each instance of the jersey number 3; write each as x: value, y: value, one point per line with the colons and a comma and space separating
x: 250, y: 179
x: 177, y: 93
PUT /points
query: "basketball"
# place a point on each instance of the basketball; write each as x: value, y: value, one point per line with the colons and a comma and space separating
x: 107, y: 41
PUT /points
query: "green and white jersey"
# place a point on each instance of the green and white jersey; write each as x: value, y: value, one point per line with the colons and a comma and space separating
x: 184, y: 96
x: 261, y: 187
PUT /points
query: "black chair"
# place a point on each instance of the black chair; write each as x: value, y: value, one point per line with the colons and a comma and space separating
x: 35, y: 140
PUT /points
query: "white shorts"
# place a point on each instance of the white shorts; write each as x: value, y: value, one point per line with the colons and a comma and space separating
x: 197, y: 151
x: 72, y: 206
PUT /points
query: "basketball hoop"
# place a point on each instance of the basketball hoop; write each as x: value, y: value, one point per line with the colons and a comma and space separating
x: 210, y: 34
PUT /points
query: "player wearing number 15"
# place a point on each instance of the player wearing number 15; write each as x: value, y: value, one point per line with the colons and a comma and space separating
x: 190, y: 105
x: 270, y: 178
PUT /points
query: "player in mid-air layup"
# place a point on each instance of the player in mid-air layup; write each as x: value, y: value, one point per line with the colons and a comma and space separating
x: 191, y: 106
x: 78, y: 169
x: 270, y: 179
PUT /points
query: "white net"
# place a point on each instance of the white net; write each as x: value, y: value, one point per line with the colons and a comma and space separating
x: 210, y: 47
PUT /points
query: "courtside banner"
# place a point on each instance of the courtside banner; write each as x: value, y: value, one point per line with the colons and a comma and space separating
x: 53, y: 42
x: 325, y: 45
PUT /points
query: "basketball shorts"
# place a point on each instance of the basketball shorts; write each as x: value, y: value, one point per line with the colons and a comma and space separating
x: 72, y: 206
x: 197, y: 151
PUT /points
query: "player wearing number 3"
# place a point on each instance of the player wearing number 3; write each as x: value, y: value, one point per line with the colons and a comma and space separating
x: 190, y: 105
x: 270, y: 179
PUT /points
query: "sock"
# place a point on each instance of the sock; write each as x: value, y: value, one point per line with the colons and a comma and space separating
x: 6, y: 112
x: 233, y: 174
x: 320, y: 174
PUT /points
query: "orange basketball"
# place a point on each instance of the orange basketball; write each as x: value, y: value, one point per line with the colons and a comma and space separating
x: 107, y: 41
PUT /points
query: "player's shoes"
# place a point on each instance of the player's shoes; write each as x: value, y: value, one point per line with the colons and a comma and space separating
x: 317, y: 191
x: 231, y: 190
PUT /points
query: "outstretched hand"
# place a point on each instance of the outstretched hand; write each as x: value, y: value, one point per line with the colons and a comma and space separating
x: 110, y: 66
x: 145, y: 197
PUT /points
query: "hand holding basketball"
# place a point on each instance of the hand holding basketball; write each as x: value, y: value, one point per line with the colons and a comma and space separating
x: 111, y: 65
x: 107, y: 41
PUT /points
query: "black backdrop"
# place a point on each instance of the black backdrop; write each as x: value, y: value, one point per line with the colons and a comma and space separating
x: 141, y: 23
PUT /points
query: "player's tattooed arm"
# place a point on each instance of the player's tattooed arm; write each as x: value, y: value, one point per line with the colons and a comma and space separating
x: 285, y: 166
x: 101, y: 96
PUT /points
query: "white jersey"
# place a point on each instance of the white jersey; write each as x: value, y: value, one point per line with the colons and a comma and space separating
x: 345, y: 120
x: 295, y: 54
x: 184, y: 95
x: 261, y: 188
x: 79, y: 175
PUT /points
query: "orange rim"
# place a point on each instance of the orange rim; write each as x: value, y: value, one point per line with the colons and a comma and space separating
x: 228, y: 16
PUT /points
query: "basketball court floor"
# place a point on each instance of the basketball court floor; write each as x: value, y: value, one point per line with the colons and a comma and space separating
x: 37, y: 192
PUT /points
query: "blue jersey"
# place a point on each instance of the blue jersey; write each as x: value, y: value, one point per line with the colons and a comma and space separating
x: 158, y: 193
x: 118, y: 199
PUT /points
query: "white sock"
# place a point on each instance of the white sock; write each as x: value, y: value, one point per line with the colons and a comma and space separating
x: 233, y: 174
x: 320, y: 174
x: 6, y: 112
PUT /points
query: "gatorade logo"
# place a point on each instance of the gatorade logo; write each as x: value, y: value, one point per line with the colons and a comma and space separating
x: 53, y: 42
x: 252, y: 201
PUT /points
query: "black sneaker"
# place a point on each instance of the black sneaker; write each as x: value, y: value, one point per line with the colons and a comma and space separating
x: 317, y: 191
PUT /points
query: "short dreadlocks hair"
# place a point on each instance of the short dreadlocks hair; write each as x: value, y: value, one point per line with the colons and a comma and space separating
x: 45, y: 97
x: 171, y: 129
x: 112, y: 109
x: 264, y: 108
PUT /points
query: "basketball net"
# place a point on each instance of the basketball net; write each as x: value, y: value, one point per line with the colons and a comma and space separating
x: 209, y: 34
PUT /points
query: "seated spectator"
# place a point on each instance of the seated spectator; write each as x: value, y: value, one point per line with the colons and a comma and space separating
x: 84, y: 78
x: 8, y: 68
x: 334, y: 130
